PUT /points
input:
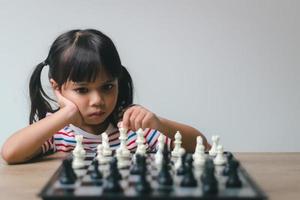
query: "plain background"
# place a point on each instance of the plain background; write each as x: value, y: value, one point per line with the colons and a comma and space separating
x: 229, y: 68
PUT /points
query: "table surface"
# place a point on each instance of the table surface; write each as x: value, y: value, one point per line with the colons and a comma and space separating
x: 278, y: 174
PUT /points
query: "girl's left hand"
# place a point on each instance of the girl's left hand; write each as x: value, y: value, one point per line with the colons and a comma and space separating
x: 136, y: 117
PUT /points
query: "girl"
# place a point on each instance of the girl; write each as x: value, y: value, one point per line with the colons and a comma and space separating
x: 94, y: 93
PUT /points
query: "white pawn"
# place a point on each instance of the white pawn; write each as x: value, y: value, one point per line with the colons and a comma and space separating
x: 105, y: 143
x: 178, y: 162
x: 199, y: 158
x: 141, y: 147
x: 123, y: 150
x: 177, y: 144
x: 101, y: 159
x: 159, y: 152
x: 199, y: 144
x: 220, y: 158
x: 78, y: 153
x: 215, y: 143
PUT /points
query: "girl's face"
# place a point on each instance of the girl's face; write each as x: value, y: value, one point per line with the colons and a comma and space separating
x: 95, y: 100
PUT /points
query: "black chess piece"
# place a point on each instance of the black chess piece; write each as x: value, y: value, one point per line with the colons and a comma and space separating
x: 233, y: 180
x: 112, y: 183
x: 226, y: 168
x: 68, y: 175
x: 96, y: 174
x: 189, y: 178
x: 114, y: 168
x: 136, y: 169
x: 142, y: 184
x: 209, y: 181
x: 164, y: 176
x: 182, y: 169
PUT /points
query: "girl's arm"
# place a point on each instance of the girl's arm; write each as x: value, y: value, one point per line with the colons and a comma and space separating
x: 136, y: 117
x: 26, y: 143
x: 189, y: 134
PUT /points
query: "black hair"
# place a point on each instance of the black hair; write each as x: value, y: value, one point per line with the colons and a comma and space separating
x: 80, y: 55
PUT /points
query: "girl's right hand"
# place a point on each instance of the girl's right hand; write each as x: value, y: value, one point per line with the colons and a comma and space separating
x: 64, y: 103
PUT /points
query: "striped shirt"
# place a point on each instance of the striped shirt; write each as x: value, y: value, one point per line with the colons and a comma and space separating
x: 64, y: 140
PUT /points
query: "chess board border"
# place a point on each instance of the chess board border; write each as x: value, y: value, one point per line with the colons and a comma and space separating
x: 44, y: 194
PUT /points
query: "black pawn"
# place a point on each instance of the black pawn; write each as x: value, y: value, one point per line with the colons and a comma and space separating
x: 142, y: 185
x: 114, y: 168
x: 68, y: 175
x: 182, y: 169
x: 226, y: 168
x: 96, y: 174
x: 209, y: 181
x: 189, y: 178
x: 164, y: 176
x: 136, y: 169
x: 112, y: 184
x: 233, y: 180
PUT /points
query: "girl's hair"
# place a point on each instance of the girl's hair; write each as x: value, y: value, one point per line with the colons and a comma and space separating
x: 80, y: 55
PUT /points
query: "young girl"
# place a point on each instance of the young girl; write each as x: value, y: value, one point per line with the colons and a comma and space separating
x: 94, y: 93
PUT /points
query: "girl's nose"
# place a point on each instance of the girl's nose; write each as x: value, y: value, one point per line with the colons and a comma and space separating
x: 96, y: 99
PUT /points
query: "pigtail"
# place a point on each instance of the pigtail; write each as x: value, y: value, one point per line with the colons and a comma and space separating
x: 39, y: 104
x: 125, y: 98
x: 125, y: 89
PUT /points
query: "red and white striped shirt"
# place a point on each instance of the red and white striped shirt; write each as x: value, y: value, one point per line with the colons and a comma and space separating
x: 64, y: 140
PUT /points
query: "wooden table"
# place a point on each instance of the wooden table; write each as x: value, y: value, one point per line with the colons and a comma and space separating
x: 278, y: 174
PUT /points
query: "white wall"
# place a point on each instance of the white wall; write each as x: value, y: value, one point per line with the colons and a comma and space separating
x: 226, y: 67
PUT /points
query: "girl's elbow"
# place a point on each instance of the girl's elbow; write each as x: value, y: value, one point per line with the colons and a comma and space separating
x: 9, y: 156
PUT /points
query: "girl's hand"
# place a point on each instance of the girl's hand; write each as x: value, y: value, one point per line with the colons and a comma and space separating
x: 136, y: 117
x: 64, y: 103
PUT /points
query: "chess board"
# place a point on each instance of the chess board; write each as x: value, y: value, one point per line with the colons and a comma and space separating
x: 87, y: 188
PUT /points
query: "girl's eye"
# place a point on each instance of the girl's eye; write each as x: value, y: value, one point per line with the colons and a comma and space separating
x: 107, y: 87
x: 81, y: 90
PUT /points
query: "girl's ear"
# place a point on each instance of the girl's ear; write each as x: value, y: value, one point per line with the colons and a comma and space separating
x: 53, y: 84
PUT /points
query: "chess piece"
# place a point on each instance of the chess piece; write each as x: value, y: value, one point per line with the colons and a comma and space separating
x: 125, y: 153
x: 215, y: 143
x: 78, y: 153
x: 96, y: 174
x: 141, y: 147
x: 177, y: 144
x: 233, y: 180
x: 159, y: 152
x: 164, y: 176
x: 122, y: 153
x: 189, y: 178
x: 199, y: 154
x: 227, y: 166
x: 137, y: 166
x: 179, y: 164
x: 112, y: 184
x: 142, y: 185
x: 220, y: 158
x: 68, y: 175
x: 106, y: 151
x: 208, y: 179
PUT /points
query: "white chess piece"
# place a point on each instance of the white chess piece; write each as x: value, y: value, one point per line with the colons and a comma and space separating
x: 105, y: 143
x: 159, y: 152
x: 220, y: 158
x: 122, y: 153
x: 178, y: 162
x: 177, y: 144
x: 215, y: 143
x: 199, y: 143
x: 123, y: 146
x: 78, y: 153
x: 101, y: 159
x: 199, y: 154
x: 141, y: 147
